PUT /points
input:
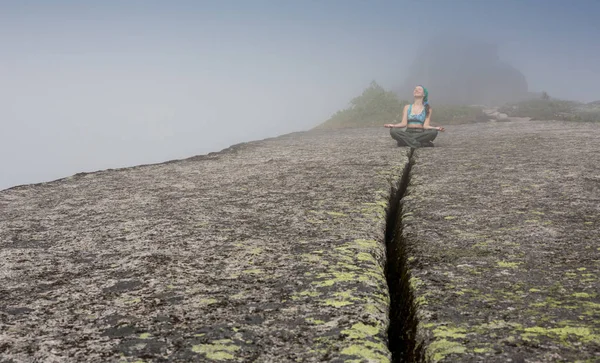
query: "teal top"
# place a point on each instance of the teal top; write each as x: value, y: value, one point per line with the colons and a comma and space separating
x: 416, y: 119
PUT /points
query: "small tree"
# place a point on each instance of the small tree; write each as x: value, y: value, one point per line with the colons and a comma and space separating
x: 545, y: 96
x: 374, y: 107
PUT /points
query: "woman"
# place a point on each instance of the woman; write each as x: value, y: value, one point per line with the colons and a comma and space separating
x: 416, y: 118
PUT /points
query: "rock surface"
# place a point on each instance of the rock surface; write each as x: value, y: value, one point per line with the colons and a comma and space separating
x: 502, y: 117
x: 495, y: 115
x: 272, y: 251
x: 502, y: 226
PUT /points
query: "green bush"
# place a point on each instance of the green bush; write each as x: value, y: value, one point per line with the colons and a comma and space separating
x: 376, y: 107
x: 586, y: 116
x: 540, y: 109
x: 457, y: 114
x: 594, y: 104
x: 553, y: 109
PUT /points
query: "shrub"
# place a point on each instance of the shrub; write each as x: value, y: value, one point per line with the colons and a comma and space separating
x: 551, y: 109
x: 376, y: 107
x: 457, y: 114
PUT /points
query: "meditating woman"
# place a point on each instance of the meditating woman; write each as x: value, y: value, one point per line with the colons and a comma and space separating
x: 416, y: 118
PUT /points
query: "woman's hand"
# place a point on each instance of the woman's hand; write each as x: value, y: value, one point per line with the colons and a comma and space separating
x: 440, y: 128
x: 389, y: 126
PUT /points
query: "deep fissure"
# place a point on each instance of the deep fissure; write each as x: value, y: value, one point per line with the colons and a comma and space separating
x: 402, y: 340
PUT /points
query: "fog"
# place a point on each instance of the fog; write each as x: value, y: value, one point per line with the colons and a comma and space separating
x: 90, y: 86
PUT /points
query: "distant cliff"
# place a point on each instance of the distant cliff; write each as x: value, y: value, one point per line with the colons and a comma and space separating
x: 460, y: 71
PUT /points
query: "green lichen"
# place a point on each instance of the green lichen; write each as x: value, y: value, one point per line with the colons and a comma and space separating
x: 311, y: 293
x: 218, y: 350
x: 145, y: 336
x: 314, y: 321
x: 310, y: 258
x: 372, y: 278
x: 481, y: 244
x: 337, y: 214
x: 421, y: 301
x: 365, y: 257
x: 441, y: 348
x: 372, y: 309
x: 501, y: 324
x: 345, y: 265
x: 591, y: 305
x: 365, y: 353
x: 208, y: 301
x: 415, y: 283
x: 337, y: 303
x: 582, y: 295
x: 366, y: 243
x: 505, y: 264
x: 577, y: 333
x: 255, y: 251
x: 239, y: 295
x: 450, y: 332
x: 361, y: 331
x: 345, y: 295
x: 337, y: 277
x: 132, y: 301
x: 379, y: 346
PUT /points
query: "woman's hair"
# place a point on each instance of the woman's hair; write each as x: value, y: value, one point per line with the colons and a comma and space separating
x: 426, y: 100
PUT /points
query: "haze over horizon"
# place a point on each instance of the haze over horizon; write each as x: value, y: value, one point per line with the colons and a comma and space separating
x: 87, y: 86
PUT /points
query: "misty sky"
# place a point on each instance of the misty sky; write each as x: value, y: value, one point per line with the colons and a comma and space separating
x: 103, y: 84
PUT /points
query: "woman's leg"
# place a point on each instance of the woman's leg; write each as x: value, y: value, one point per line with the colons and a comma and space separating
x: 426, y: 137
x: 404, y: 138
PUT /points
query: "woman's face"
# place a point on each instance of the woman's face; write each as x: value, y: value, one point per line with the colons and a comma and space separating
x: 418, y: 92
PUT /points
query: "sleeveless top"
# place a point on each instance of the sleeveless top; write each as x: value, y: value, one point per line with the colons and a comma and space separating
x: 416, y: 119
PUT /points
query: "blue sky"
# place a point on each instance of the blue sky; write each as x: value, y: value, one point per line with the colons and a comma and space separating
x: 103, y: 84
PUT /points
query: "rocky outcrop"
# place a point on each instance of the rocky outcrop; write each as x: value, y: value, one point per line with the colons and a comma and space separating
x: 273, y: 251
x: 318, y: 246
x: 495, y: 115
x: 462, y: 71
x: 501, y: 224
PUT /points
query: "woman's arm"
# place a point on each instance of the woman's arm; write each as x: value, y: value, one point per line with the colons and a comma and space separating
x: 404, y: 119
x: 426, y: 125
